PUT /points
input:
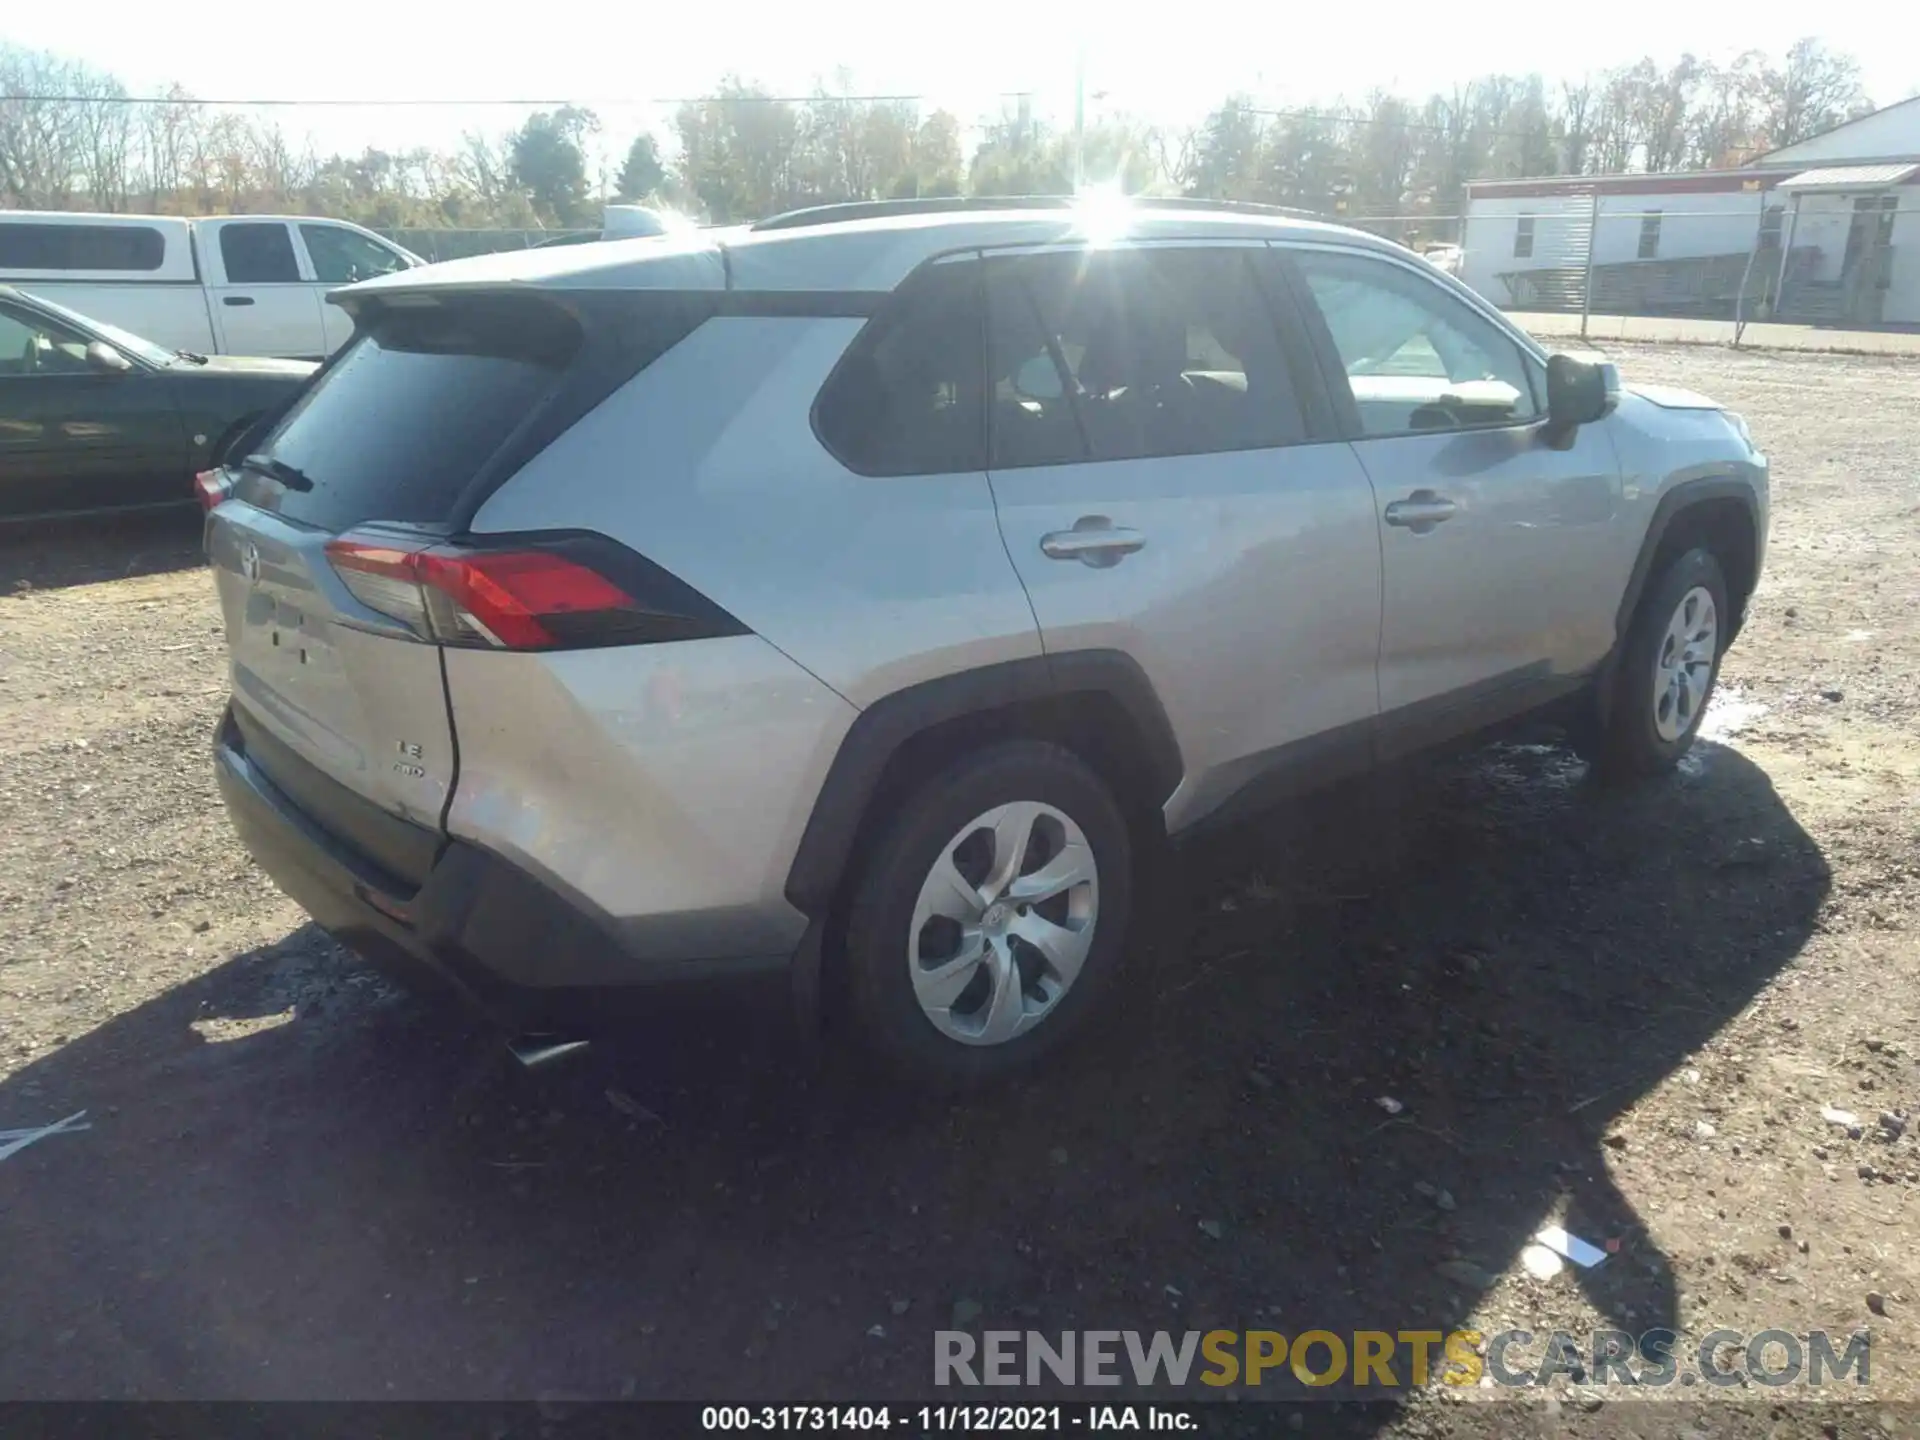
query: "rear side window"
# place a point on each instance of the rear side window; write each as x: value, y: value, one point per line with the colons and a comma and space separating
x: 408, y: 413
x: 905, y: 399
x: 1131, y: 354
x: 1035, y: 420
x: 81, y: 247
x: 259, y: 254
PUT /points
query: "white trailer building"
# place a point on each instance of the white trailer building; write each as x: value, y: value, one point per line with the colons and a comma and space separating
x: 1825, y: 231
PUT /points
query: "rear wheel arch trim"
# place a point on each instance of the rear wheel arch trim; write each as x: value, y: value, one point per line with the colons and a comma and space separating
x: 883, y: 728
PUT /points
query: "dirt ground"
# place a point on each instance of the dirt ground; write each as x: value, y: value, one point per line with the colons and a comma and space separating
x: 1622, y: 1011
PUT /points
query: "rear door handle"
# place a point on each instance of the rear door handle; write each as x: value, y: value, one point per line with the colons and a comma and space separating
x: 1094, y: 540
x: 236, y: 299
x: 1420, y: 511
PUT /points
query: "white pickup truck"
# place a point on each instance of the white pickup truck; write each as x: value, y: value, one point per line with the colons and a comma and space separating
x: 235, y: 285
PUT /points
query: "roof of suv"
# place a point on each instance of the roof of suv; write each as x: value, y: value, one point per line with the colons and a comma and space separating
x: 872, y: 251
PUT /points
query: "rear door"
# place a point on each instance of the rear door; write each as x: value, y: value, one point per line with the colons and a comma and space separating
x: 341, y: 704
x: 266, y: 303
x: 1168, y: 486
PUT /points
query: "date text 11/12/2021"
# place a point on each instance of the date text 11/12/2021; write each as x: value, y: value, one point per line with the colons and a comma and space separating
x: 934, y: 1419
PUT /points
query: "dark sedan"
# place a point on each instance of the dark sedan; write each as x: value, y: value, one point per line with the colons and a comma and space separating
x: 95, y: 419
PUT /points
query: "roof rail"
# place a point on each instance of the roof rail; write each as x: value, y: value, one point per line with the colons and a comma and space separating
x: 963, y: 204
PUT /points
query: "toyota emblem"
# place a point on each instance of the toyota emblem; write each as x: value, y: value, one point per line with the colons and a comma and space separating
x: 250, y: 561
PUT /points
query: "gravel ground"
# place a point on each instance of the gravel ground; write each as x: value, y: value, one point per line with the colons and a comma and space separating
x: 1624, y: 1012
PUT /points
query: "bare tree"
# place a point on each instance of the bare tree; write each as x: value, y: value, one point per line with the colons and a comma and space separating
x: 41, y: 140
x: 1814, y: 91
x: 104, y: 130
x: 1119, y: 150
x: 1176, y: 155
x: 854, y: 149
x: 1529, y: 138
x: 168, y: 137
x: 1668, y: 100
x: 1449, y: 159
x: 1018, y: 155
x: 1576, y: 116
x: 218, y: 168
x: 1384, y: 150
x: 1620, y: 118
x: 1725, y: 126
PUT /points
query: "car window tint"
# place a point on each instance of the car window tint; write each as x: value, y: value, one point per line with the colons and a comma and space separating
x: 63, y: 321
x: 412, y: 408
x: 1034, y: 417
x: 341, y: 257
x: 33, y: 345
x: 31, y: 245
x: 1417, y: 357
x: 18, y: 345
x: 259, y: 254
x: 905, y: 400
x: 1134, y: 354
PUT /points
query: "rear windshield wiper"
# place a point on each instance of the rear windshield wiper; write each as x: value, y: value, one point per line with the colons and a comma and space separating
x: 290, y: 476
x: 192, y: 357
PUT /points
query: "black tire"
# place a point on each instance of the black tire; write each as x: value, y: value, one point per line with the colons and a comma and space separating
x: 880, y: 949
x: 1629, y: 746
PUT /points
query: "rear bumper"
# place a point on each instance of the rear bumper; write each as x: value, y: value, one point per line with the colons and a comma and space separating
x: 521, y: 953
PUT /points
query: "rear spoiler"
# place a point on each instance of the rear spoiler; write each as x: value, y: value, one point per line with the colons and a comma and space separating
x: 689, y: 262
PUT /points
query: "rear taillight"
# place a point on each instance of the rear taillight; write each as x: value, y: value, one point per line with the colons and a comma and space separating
x: 384, y: 579
x: 550, y: 597
x: 211, y: 487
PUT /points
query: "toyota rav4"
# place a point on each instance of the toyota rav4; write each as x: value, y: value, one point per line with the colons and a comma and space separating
x: 859, y: 596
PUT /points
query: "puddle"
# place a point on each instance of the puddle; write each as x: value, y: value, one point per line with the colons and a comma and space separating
x: 217, y: 1029
x: 1728, y: 713
x: 1523, y: 766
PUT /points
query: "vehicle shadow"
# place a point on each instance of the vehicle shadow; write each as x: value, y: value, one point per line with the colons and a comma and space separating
x: 299, y: 1186
x: 54, y: 554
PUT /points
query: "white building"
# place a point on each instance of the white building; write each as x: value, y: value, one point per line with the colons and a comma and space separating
x: 1827, y: 230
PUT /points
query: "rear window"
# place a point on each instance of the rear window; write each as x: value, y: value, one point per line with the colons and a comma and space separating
x: 80, y: 247
x: 258, y: 254
x: 411, y: 410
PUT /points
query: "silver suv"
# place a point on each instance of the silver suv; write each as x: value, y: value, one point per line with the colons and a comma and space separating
x: 855, y: 598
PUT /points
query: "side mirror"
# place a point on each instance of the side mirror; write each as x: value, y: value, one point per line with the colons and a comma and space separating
x: 104, y: 359
x: 1580, y: 391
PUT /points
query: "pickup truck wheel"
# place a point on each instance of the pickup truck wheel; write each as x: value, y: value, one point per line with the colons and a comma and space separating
x: 1666, y: 674
x: 990, y: 917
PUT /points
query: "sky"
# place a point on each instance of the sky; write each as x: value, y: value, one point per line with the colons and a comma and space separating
x: 1159, y: 62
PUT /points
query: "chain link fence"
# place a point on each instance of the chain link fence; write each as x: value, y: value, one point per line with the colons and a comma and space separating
x: 1846, y: 261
